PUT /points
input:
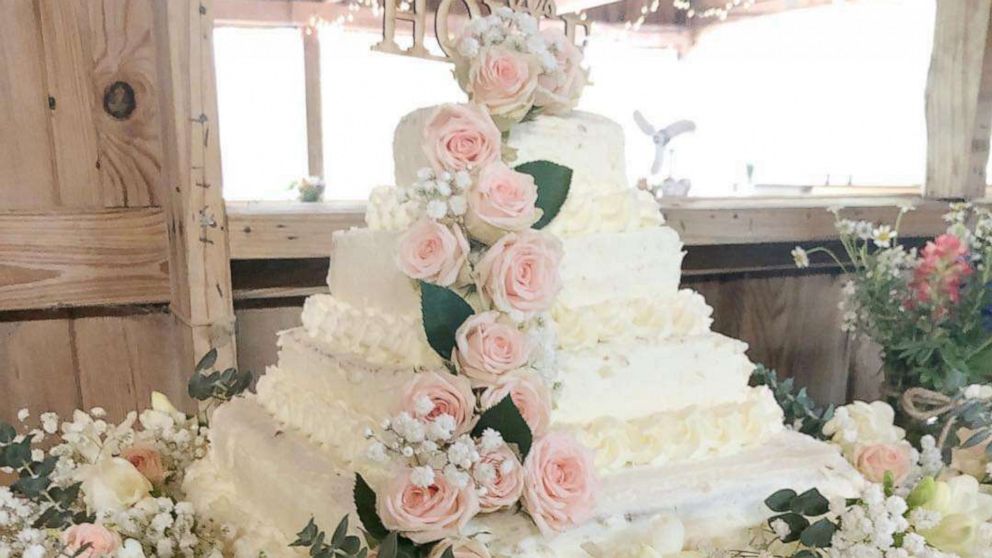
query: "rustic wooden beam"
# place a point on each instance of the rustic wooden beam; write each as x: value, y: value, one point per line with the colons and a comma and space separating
x: 263, y: 230
x: 195, y: 215
x: 99, y: 257
x: 959, y: 100
x: 315, y: 124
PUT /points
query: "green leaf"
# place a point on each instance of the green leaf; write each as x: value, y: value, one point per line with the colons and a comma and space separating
x: 389, y: 546
x: 30, y: 487
x: 806, y: 553
x: 448, y: 553
x: 18, y: 454
x: 553, y: 182
x: 506, y: 419
x: 307, y: 535
x: 443, y: 312
x: 980, y: 363
x: 819, y: 534
x: 781, y: 501
x: 350, y: 544
x: 811, y: 503
x: 207, y: 361
x: 797, y: 524
x: 46, y: 466
x: 7, y: 433
x: 340, y: 533
x: 365, y: 502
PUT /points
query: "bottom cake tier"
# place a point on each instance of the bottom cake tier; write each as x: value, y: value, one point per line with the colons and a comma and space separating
x: 266, y: 481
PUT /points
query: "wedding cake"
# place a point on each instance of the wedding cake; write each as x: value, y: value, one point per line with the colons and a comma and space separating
x: 638, y: 416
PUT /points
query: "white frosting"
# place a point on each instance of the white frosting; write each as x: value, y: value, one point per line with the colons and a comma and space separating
x: 611, y: 266
x: 255, y: 464
x: 363, y: 272
x: 378, y: 336
x: 629, y: 380
x: 649, y: 318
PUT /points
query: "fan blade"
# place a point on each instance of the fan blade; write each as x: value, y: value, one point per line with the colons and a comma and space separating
x: 679, y: 127
x: 643, y: 123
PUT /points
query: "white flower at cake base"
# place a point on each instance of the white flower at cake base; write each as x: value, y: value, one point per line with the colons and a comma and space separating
x: 112, y: 484
x: 503, y: 200
x: 963, y: 509
x: 461, y: 138
x: 433, y: 252
x: 519, y: 273
x: 460, y: 548
x: 447, y: 395
x: 860, y: 424
x: 560, y: 483
x: 487, y: 348
x: 426, y: 514
x: 530, y: 395
x: 502, y: 80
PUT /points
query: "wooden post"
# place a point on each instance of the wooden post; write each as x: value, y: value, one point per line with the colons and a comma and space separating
x: 315, y: 126
x: 959, y: 100
x: 199, y: 257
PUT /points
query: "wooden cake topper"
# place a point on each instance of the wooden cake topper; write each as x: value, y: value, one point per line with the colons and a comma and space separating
x: 418, y: 14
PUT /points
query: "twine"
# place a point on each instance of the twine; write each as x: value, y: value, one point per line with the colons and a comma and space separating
x: 925, y: 405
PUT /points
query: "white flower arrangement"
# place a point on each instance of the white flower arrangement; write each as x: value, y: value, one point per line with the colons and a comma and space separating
x: 103, y: 489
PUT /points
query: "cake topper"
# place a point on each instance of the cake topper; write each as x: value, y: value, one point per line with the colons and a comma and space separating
x: 417, y: 15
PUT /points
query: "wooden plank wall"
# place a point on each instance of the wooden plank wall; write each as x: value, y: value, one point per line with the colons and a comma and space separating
x: 79, y: 134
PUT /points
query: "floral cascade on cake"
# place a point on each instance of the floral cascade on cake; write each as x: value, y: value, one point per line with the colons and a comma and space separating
x: 505, y: 365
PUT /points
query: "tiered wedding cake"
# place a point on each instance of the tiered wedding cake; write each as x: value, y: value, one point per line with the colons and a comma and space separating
x: 635, y: 374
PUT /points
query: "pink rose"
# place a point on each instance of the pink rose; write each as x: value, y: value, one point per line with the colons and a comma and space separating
x: 487, y: 348
x: 530, y: 395
x: 461, y: 548
x: 504, y: 81
x: 502, y: 200
x: 450, y: 395
x: 102, y: 542
x: 560, y: 483
x: 461, y: 137
x: 519, y: 273
x: 432, y: 252
x: 875, y: 460
x: 426, y: 514
x: 558, y: 92
x: 147, y: 460
x: 501, y: 474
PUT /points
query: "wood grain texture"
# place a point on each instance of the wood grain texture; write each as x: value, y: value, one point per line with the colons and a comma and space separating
x: 288, y: 230
x: 196, y: 219
x: 38, y: 367
x: 27, y: 178
x: 129, y: 150
x: 78, y: 259
x: 315, y: 119
x: 959, y: 100
x: 122, y: 359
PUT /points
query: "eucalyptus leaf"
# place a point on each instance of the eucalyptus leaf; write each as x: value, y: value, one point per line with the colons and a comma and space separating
x: 340, y: 533
x: 443, y: 312
x: 389, y: 546
x: 448, y: 553
x: 977, y: 438
x: 553, y: 182
x: 819, y: 534
x: 811, y: 503
x: 7, y: 433
x: 506, y: 419
x: 781, y: 501
x: 207, y: 362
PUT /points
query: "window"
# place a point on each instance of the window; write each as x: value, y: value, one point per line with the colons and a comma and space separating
x: 824, y: 96
x: 262, y: 106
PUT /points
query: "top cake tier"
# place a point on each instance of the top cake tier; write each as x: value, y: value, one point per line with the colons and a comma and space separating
x: 600, y: 198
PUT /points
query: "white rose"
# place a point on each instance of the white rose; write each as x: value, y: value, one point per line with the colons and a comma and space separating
x: 964, y: 508
x: 860, y: 424
x: 112, y: 485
